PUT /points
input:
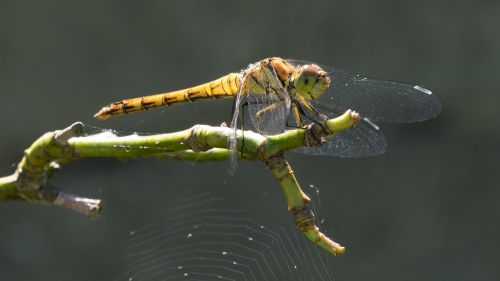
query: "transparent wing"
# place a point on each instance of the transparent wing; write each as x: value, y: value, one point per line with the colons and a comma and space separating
x: 364, y: 139
x: 378, y: 100
x: 268, y: 102
x: 233, y: 135
x: 268, y: 106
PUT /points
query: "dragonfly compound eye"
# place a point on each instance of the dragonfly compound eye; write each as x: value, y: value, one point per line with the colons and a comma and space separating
x: 311, y: 81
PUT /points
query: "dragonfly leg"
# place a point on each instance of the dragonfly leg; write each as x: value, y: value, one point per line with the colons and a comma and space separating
x: 313, y: 137
x: 297, y: 113
x: 259, y: 113
x: 303, y: 113
x: 311, y: 108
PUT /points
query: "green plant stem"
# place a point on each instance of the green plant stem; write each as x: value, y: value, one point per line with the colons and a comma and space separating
x: 298, y: 205
x: 53, y: 150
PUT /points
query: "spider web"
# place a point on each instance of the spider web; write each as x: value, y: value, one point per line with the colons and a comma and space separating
x: 206, y: 238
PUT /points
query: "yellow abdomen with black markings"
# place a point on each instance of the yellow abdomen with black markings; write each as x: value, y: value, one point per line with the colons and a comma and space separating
x: 224, y: 87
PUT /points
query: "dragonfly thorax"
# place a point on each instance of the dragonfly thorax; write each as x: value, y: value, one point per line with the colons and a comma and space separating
x: 310, y: 81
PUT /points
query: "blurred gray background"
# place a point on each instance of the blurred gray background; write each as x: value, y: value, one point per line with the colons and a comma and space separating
x: 426, y: 210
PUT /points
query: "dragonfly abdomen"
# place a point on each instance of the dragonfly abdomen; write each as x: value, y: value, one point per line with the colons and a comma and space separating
x: 224, y: 87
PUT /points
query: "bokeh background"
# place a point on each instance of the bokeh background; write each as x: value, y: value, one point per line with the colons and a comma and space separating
x: 426, y: 210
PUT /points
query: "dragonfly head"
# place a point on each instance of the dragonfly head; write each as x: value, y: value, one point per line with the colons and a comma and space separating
x: 310, y: 81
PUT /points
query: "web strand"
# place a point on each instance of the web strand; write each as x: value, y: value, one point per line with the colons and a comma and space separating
x: 205, y: 238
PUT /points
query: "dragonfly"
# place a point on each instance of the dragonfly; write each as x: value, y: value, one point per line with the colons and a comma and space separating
x: 281, y: 93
